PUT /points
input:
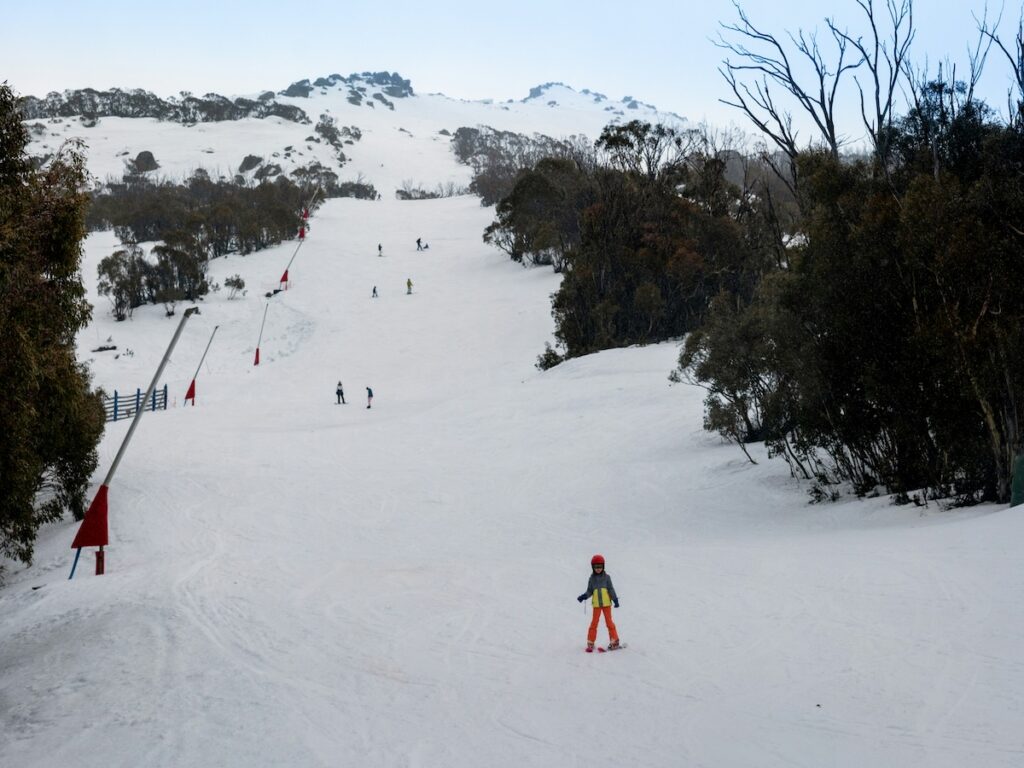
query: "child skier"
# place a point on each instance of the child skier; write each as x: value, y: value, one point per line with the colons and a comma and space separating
x: 408, y: 286
x: 340, y: 392
x: 603, y: 597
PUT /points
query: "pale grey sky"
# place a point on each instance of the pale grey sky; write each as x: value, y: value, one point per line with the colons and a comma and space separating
x: 657, y: 51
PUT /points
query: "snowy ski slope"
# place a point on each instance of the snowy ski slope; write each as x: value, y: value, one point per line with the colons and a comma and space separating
x: 292, y: 582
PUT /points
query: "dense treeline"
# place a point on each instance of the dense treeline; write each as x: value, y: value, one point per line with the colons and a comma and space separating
x: 176, y: 272
x: 50, y: 421
x: 645, y: 228
x: 192, y: 223
x: 497, y: 157
x: 868, y: 325
x: 889, y: 353
x: 221, y: 216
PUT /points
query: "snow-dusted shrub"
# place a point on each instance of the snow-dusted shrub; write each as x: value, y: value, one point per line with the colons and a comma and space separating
x: 236, y: 284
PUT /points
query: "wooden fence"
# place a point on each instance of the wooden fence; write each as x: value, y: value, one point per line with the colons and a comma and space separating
x: 123, y: 406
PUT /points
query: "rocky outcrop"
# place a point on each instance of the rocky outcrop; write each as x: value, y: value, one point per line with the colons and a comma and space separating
x: 210, y: 108
x: 145, y: 162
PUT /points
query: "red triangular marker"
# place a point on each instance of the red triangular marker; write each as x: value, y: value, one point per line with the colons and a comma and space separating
x: 284, y: 277
x: 302, y: 233
x: 93, y: 530
x: 257, y: 356
x: 191, y: 394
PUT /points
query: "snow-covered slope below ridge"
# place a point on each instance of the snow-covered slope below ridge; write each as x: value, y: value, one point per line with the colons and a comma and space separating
x: 413, y: 122
x: 295, y: 582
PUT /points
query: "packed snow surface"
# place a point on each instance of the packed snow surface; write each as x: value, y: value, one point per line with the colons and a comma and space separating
x: 293, y: 582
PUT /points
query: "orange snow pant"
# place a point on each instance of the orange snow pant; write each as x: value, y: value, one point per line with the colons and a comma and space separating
x: 612, y: 632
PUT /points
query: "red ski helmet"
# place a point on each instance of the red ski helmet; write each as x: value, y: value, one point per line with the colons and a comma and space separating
x: 597, y: 560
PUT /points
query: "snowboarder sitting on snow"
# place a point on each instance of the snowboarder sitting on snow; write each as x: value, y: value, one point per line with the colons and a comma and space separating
x: 341, y: 394
x: 603, y: 597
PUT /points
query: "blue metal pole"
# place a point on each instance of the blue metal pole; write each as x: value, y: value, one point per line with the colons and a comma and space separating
x: 74, y: 565
x: 115, y: 405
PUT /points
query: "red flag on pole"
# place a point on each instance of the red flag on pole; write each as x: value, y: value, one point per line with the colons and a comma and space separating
x: 302, y: 233
x: 257, y: 356
x: 305, y: 213
x: 191, y: 394
x: 93, y: 530
x: 284, y: 277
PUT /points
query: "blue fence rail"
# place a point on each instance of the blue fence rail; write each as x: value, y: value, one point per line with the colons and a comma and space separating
x: 123, y: 406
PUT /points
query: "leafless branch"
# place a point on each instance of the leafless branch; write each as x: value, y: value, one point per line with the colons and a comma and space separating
x: 761, y: 57
x: 1015, y: 112
x: 884, y: 54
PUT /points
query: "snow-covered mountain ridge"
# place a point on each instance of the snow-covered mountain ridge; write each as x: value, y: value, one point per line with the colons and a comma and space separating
x: 218, y: 133
x: 90, y: 104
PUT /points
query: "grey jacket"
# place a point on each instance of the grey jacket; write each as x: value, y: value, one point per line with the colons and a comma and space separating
x: 600, y: 591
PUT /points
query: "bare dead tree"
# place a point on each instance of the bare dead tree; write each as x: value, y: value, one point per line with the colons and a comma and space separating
x: 920, y: 87
x: 763, y: 62
x: 939, y: 101
x: 883, y: 54
x: 1014, y: 54
x: 976, y: 59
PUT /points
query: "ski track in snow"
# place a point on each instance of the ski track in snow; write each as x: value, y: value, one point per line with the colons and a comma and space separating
x: 293, y: 582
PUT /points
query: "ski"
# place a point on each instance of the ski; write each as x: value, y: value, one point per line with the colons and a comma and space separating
x: 599, y: 649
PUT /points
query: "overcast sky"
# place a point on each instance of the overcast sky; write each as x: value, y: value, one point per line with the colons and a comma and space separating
x: 659, y: 52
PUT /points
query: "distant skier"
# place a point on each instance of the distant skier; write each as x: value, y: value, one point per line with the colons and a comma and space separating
x: 380, y: 249
x: 374, y: 294
x: 340, y: 392
x: 408, y: 286
x: 602, y: 596
x: 419, y: 244
x: 369, y: 397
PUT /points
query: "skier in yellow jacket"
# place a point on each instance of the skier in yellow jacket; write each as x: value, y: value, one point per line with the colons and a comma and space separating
x: 602, y: 596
